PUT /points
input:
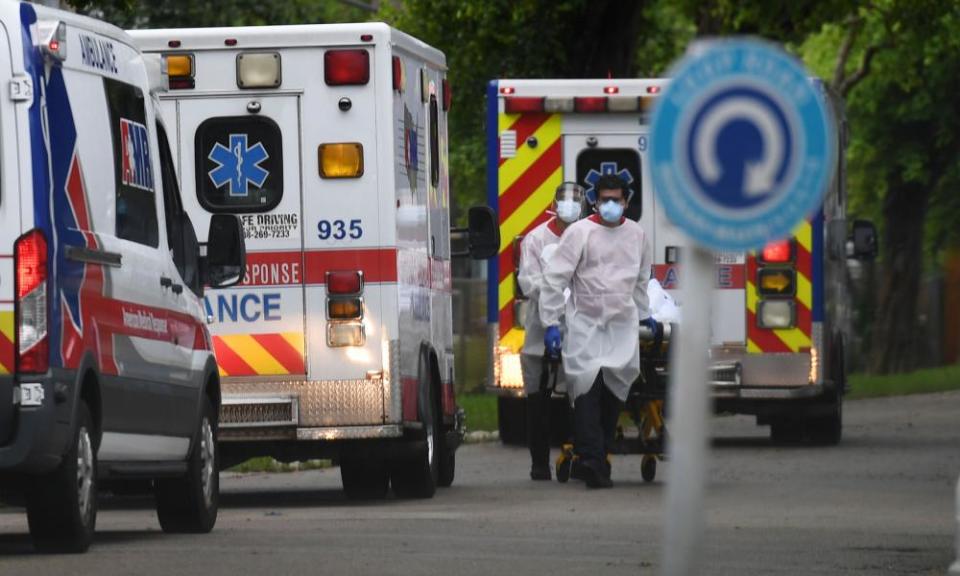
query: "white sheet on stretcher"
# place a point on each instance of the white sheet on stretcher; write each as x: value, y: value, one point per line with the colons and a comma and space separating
x: 663, y: 307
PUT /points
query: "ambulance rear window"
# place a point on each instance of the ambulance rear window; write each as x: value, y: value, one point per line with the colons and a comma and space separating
x: 239, y: 162
x: 623, y: 162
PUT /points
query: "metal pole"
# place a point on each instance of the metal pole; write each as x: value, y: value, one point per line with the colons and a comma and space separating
x: 689, y: 409
x: 955, y: 567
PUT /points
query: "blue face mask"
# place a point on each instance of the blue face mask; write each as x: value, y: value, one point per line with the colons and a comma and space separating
x: 611, y: 211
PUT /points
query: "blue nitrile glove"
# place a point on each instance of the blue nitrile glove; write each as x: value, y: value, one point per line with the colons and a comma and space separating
x: 552, y: 340
x: 653, y: 325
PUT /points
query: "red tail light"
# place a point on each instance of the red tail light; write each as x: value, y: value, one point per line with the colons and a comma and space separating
x: 447, y: 95
x: 30, y: 262
x: 777, y: 252
x: 346, y: 67
x: 397, y: 74
x: 344, y: 282
x: 611, y: 90
x: 518, y: 105
x: 592, y: 104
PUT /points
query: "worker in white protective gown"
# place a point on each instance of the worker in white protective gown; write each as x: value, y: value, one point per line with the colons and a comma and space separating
x: 605, y: 261
x: 535, y: 250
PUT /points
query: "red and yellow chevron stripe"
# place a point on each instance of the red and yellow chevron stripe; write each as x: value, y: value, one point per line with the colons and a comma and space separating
x: 260, y: 354
x: 526, y: 185
x: 760, y: 340
x: 6, y: 342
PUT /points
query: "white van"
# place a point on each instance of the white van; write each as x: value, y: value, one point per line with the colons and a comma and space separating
x: 106, y: 366
x: 330, y: 141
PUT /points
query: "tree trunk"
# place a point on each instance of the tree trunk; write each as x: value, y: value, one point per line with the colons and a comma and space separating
x: 894, y: 334
x: 606, y: 39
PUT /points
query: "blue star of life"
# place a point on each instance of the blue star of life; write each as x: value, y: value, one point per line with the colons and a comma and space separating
x: 239, y: 165
x: 606, y: 168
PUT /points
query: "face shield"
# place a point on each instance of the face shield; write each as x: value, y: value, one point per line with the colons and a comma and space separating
x: 569, y: 200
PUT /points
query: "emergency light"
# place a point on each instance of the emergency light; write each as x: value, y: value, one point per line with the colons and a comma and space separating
x: 778, y: 252
x: 519, y: 105
x: 346, y: 67
x: 398, y: 74
x: 341, y: 160
x: 349, y: 309
x: 345, y: 283
x: 447, y: 95
x: 776, y: 314
x: 258, y: 70
x: 180, y: 71
x: 341, y: 334
x: 777, y: 281
x: 590, y: 104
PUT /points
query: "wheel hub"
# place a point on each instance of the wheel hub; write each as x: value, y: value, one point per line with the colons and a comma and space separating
x: 84, y: 473
x: 207, y: 460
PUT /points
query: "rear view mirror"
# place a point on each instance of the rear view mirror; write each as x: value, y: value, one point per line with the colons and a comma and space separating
x: 226, y: 252
x: 863, y: 243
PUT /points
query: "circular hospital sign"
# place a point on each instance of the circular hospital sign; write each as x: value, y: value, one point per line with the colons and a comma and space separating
x: 742, y: 145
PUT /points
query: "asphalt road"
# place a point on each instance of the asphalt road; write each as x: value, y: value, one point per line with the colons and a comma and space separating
x: 881, y: 503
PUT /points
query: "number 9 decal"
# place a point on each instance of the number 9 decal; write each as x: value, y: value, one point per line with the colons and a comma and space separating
x: 642, y: 143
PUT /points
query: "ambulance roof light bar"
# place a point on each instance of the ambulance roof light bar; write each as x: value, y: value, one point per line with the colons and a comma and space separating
x: 580, y: 104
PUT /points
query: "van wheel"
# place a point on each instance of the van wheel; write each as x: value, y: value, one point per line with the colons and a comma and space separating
x: 786, y: 431
x: 364, y: 479
x: 448, y: 468
x: 62, y: 505
x: 190, y: 504
x: 417, y: 475
x: 827, y: 430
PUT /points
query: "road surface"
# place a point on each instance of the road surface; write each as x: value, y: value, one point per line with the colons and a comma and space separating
x: 880, y: 503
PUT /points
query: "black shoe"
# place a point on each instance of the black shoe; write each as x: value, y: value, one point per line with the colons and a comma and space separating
x: 577, y: 472
x: 540, y: 472
x: 595, y: 476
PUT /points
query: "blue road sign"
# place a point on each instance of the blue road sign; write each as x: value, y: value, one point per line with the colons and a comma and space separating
x: 742, y: 146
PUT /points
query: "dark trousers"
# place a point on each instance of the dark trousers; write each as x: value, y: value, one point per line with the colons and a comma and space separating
x: 595, y: 417
x: 538, y: 428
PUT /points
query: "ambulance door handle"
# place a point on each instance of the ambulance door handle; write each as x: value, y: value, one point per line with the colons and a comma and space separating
x: 177, y: 288
x: 166, y: 282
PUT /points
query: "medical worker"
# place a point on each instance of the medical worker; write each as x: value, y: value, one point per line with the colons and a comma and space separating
x: 535, y: 251
x: 605, y: 262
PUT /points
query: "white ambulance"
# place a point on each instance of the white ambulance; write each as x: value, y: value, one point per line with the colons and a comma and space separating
x: 107, y: 373
x: 780, y: 314
x: 330, y: 141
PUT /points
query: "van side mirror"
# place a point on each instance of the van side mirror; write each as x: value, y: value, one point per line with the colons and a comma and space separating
x: 226, y: 257
x: 482, y: 234
x: 863, y: 243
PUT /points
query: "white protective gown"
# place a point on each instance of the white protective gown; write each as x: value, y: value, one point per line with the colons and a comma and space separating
x: 607, y: 270
x: 535, y: 250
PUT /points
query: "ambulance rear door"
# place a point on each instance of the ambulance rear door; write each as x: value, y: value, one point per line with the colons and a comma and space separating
x: 241, y: 155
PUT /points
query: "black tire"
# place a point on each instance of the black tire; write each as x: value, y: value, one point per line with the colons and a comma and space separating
x: 418, y: 474
x: 827, y: 430
x: 512, y: 420
x: 448, y: 468
x: 786, y: 431
x: 62, y: 505
x: 190, y: 504
x: 365, y: 479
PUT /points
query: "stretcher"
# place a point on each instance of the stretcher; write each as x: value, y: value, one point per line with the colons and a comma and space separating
x: 645, y: 407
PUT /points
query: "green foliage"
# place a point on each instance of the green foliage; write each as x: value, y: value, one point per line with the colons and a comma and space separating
x: 481, y: 410
x: 919, y: 382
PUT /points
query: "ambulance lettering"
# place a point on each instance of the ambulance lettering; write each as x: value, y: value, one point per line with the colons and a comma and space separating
x: 97, y: 53
x: 136, y: 171
x: 251, y: 307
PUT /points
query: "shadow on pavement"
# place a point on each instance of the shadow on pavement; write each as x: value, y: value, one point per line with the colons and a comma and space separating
x: 21, y: 545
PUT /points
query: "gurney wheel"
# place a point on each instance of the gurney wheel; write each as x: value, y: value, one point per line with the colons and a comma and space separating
x: 648, y: 468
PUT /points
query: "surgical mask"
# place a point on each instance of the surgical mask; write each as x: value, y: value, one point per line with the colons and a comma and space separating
x: 611, y: 211
x: 568, y: 210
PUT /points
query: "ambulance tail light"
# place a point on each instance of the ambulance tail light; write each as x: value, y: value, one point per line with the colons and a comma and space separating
x: 779, y: 252
x: 344, y: 308
x: 345, y: 283
x: 397, y: 74
x: 776, y: 314
x: 590, y: 104
x: 180, y: 71
x: 341, y: 160
x: 346, y: 67
x: 30, y: 253
x: 343, y: 334
x: 447, y: 95
x: 520, y: 104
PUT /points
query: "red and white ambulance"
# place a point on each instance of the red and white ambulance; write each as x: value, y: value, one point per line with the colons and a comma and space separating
x: 330, y: 142
x: 779, y: 316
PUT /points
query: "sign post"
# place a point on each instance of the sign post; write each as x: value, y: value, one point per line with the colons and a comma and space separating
x: 742, y: 150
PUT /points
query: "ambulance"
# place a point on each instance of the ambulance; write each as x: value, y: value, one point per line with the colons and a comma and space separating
x: 107, y: 372
x: 780, y: 316
x: 330, y: 143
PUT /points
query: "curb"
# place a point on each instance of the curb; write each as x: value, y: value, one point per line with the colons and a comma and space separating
x: 481, y: 437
